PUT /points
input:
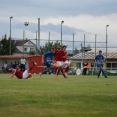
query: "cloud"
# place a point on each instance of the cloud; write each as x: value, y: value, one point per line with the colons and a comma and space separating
x: 79, y: 25
x: 56, y: 8
x: 80, y: 17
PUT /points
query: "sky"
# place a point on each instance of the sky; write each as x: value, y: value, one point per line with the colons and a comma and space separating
x: 83, y: 18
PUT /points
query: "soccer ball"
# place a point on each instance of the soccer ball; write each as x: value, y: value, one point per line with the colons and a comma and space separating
x: 26, y: 23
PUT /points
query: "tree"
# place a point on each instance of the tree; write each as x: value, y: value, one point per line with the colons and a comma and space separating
x: 4, y: 46
x: 48, y: 46
x: 32, y: 53
x: 0, y: 48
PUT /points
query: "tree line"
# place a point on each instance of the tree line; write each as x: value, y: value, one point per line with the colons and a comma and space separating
x: 5, y: 47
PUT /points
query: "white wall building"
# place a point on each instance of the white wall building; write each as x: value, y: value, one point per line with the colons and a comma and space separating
x: 28, y: 46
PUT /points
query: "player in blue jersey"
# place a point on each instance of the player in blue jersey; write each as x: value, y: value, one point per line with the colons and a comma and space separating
x: 47, y: 60
x: 100, y: 59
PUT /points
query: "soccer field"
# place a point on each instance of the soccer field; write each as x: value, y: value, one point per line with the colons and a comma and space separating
x: 76, y: 96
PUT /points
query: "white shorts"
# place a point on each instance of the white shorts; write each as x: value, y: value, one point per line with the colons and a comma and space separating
x: 65, y: 62
x: 59, y: 63
x: 25, y: 74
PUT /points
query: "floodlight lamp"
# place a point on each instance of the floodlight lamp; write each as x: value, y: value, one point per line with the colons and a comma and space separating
x: 11, y: 17
x: 62, y: 21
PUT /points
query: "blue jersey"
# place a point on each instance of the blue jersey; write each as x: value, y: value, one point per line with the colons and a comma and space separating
x: 99, y: 59
x: 48, y: 56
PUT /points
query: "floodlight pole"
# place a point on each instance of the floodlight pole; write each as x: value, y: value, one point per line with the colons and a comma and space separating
x: 49, y: 37
x: 106, y: 45
x: 36, y: 43
x: 61, y: 31
x: 84, y: 46
x: 95, y: 50
x: 39, y: 33
x: 23, y: 41
x: 73, y: 43
x: 10, y: 37
x: 95, y: 43
x: 82, y: 57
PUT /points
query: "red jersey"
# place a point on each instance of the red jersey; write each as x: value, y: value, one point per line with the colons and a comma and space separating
x: 59, y: 54
x: 64, y: 59
x: 18, y: 73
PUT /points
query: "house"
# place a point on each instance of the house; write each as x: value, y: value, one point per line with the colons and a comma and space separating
x: 25, y: 46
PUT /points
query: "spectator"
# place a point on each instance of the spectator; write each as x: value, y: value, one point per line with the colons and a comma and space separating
x: 19, y: 64
x: 5, y: 67
x: 11, y: 66
x: 14, y: 64
x: 85, y: 68
x: 23, y: 63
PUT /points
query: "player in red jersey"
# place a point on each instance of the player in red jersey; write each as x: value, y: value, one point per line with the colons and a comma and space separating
x: 59, y: 55
x: 66, y: 62
x: 20, y: 74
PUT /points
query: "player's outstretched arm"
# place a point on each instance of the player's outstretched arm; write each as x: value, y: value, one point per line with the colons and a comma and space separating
x: 53, y: 58
x: 103, y: 60
x: 42, y: 58
x: 12, y: 76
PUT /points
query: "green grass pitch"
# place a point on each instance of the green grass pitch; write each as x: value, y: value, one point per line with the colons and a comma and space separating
x: 76, y: 96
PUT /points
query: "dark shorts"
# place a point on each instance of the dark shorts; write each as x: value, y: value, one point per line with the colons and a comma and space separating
x: 47, y: 63
x: 100, y: 65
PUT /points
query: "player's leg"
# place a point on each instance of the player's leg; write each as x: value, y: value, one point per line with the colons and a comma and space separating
x: 57, y: 72
x: 45, y: 71
x: 64, y: 67
x: 63, y: 73
x: 29, y: 75
x: 47, y: 64
x: 54, y: 68
x: 68, y: 65
x: 60, y: 68
x: 54, y: 65
x: 99, y: 70
x: 26, y: 72
x: 84, y: 71
x: 103, y: 72
x: 23, y: 67
x: 26, y: 75
x: 32, y: 66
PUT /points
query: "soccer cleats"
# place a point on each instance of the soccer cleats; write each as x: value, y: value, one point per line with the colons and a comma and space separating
x: 34, y: 62
x: 40, y: 74
x: 65, y: 76
x: 105, y: 76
